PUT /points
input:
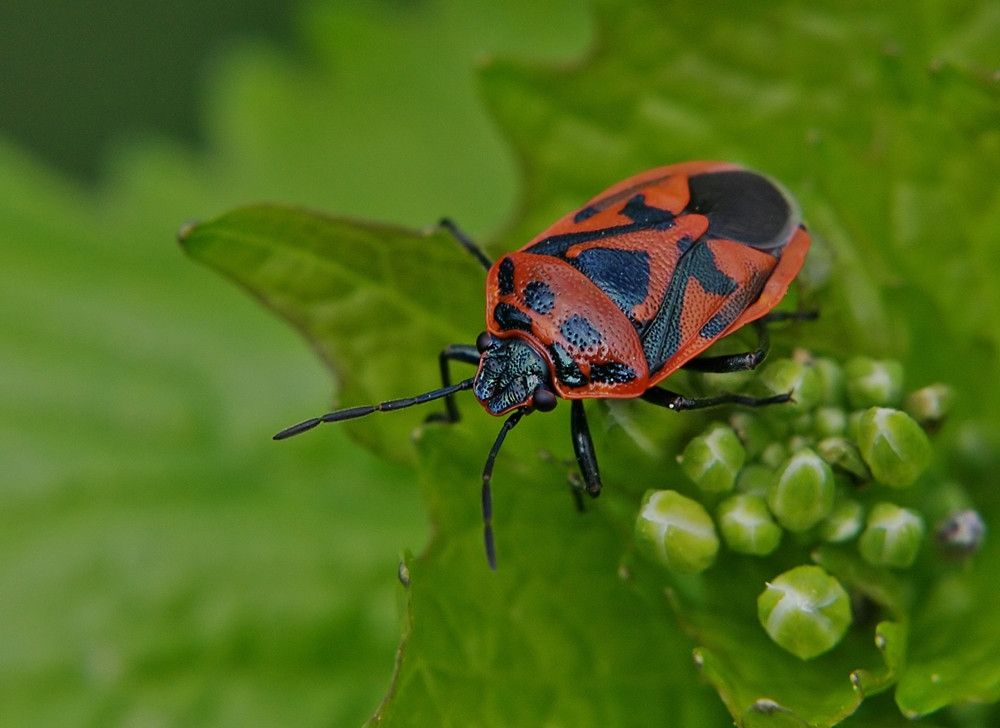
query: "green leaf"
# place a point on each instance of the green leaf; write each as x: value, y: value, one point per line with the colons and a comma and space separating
x: 556, y: 635
x: 379, y: 303
x: 881, y: 119
x: 163, y: 562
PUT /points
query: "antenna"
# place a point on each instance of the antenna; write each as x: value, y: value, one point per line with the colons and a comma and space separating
x: 352, y: 413
x: 491, y: 554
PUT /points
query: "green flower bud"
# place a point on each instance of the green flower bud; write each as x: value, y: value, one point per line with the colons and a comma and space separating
x: 929, y: 405
x: 755, y: 480
x: 774, y: 455
x: 831, y: 375
x: 747, y: 526
x: 892, y: 537
x: 872, y: 383
x: 844, y: 455
x: 854, y: 424
x: 752, y: 431
x: 961, y: 533
x: 802, y: 380
x: 894, y: 446
x: 829, y: 422
x: 713, y: 459
x: 803, y: 424
x: 805, y: 610
x: 799, y: 442
x: 801, y: 493
x: 676, y: 531
x: 846, y: 522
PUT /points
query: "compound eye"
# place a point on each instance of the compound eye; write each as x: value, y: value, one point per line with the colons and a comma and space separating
x: 483, y: 341
x: 544, y: 400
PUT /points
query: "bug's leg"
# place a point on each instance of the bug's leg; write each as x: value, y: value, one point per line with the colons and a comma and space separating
x: 735, y: 362
x: 677, y: 402
x: 775, y: 316
x: 750, y: 359
x: 456, y: 352
x: 466, y: 242
x: 583, y: 446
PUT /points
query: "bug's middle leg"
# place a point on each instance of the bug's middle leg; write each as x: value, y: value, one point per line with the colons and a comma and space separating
x: 677, y: 402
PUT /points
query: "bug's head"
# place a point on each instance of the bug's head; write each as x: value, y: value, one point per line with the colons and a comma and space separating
x: 512, y: 374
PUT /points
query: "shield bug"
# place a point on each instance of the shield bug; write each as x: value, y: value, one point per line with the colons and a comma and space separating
x: 618, y: 295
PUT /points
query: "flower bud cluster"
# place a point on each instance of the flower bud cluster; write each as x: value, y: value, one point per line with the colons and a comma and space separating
x: 824, y: 468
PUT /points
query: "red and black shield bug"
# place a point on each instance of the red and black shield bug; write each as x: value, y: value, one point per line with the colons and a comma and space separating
x: 617, y: 296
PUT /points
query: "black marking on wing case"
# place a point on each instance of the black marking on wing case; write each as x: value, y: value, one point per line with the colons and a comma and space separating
x: 643, y: 216
x: 612, y: 372
x: 539, y: 297
x: 662, y: 338
x: 579, y: 332
x: 623, y: 275
x: 566, y: 370
x: 510, y: 317
x: 741, y: 206
x: 740, y: 302
x: 505, y: 277
x: 605, y: 202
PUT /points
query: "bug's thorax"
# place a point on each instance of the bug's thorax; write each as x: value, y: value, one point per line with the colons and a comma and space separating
x: 511, y: 371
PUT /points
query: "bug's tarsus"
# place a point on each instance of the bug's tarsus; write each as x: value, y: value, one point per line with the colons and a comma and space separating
x: 583, y: 446
x: 678, y: 402
x: 394, y: 404
x: 465, y: 353
x: 466, y: 242
x: 487, y: 496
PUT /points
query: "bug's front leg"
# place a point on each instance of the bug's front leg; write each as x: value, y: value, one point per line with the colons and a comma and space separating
x: 456, y: 352
x: 583, y: 446
x: 466, y: 242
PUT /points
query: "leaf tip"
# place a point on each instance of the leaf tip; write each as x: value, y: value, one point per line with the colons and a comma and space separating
x: 185, y: 230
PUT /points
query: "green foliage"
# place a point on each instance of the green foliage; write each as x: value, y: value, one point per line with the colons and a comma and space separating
x: 378, y: 302
x: 163, y: 562
x: 881, y: 118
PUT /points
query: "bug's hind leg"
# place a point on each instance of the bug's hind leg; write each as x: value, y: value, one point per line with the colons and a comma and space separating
x: 583, y: 446
x: 776, y: 316
x: 466, y: 242
x: 750, y: 359
x: 735, y: 362
x: 456, y: 352
x: 678, y: 402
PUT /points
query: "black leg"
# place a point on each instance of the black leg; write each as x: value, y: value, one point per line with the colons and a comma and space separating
x: 775, y: 316
x: 735, y: 362
x: 456, y: 352
x: 750, y: 359
x: 584, y: 448
x: 678, y: 402
x: 466, y: 242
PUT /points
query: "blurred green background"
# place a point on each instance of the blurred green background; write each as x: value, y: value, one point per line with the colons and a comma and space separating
x: 162, y: 562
